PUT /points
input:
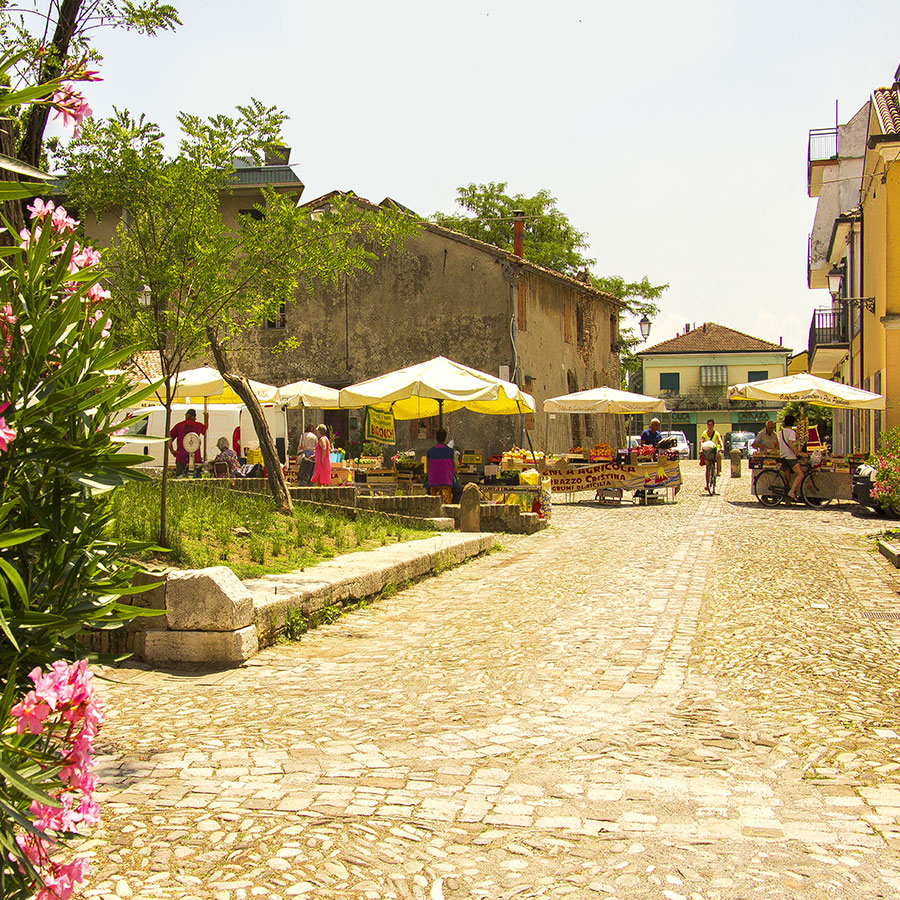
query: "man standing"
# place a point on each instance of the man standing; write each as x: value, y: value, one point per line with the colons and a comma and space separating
x: 790, y: 453
x: 766, y: 440
x: 651, y: 436
x: 190, y: 425
x: 440, y: 467
x: 306, y: 456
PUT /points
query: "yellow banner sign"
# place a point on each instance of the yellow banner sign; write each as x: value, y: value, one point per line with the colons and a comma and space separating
x: 617, y: 477
x: 380, y: 427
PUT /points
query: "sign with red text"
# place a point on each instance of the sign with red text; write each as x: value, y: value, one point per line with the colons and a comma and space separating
x: 617, y: 476
x: 380, y: 426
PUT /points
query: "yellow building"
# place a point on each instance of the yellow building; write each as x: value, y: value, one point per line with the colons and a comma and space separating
x: 692, y: 371
x: 856, y: 340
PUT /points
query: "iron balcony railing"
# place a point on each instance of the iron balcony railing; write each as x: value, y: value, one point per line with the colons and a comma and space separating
x: 827, y: 328
x: 823, y: 144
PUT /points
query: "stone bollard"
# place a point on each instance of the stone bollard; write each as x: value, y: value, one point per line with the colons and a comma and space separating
x: 470, y: 509
x: 735, y: 463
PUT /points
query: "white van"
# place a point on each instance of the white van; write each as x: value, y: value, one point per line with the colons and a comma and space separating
x: 229, y: 420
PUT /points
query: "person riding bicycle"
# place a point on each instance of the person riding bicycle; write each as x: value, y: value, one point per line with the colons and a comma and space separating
x: 712, y: 435
x: 790, y: 453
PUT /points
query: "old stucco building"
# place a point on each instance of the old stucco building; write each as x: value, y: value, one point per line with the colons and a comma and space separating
x: 445, y: 293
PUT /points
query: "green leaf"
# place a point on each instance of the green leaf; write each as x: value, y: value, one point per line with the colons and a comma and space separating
x: 20, y: 536
x: 15, y: 578
x: 20, y: 190
x: 26, y: 787
x: 14, y: 165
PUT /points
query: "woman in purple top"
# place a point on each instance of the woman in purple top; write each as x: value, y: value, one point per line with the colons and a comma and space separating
x: 440, y: 467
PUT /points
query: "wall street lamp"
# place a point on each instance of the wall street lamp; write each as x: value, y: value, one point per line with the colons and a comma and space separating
x: 835, y: 284
x: 645, y: 324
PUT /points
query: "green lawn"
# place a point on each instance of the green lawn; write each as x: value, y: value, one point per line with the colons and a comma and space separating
x: 212, y: 526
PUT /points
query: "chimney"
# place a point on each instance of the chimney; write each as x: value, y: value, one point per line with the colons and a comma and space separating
x: 704, y: 328
x: 278, y: 155
x: 780, y: 344
x: 687, y: 327
x: 519, y: 233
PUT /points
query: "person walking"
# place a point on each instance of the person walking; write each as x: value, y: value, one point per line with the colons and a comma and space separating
x: 322, y: 458
x: 307, y: 456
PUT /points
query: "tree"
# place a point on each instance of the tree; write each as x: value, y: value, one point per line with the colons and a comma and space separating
x: 551, y: 241
x: 183, y: 280
x: 55, y: 38
x: 550, y: 238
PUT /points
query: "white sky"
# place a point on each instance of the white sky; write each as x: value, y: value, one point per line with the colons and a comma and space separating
x: 674, y: 134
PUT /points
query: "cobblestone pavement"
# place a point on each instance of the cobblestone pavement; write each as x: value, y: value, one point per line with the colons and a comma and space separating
x: 696, y: 700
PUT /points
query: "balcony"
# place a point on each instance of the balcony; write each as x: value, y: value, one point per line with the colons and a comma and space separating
x: 821, y: 151
x: 828, y: 340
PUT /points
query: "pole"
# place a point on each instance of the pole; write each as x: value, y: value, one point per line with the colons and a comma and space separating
x: 546, y: 432
x: 440, y: 413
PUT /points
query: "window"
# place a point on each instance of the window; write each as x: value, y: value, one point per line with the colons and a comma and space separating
x: 280, y: 320
x: 567, y: 324
x: 579, y: 324
x: 670, y: 381
x: 876, y: 414
x: 713, y: 376
x: 613, y: 333
x: 757, y: 376
x: 253, y: 213
x: 521, y: 311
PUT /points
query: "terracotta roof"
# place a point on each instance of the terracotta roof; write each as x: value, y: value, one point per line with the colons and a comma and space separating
x: 712, y: 338
x: 461, y: 238
x: 888, y: 105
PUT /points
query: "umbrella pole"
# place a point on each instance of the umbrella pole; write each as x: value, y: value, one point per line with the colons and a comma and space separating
x: 546, y: 432
x: 440, y: 413
x: 206, y: 423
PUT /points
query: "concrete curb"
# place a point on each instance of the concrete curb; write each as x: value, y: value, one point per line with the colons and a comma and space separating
x: 354, y: 576
x: 891, y: 552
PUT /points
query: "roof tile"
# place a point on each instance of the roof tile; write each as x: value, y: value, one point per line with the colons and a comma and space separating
x: 712, y: 338
x: 888, y: 105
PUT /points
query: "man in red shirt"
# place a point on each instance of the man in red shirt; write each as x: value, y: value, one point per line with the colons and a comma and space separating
x: 190, y: 425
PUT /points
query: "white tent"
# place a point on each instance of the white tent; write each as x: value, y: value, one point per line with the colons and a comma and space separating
x: 604, y: 400
x: 309, y: 394
x: 806, y: 388
x: 434, y: 387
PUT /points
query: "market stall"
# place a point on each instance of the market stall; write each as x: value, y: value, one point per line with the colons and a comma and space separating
x: 804, y: 388
x: 641, y: 472
x: 428, y: 389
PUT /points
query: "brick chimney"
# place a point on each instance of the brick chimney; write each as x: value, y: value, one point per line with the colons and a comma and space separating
x: 519, y: 233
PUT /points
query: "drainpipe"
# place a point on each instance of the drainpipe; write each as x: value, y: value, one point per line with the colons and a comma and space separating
x: 519, y: 233
x: 518, y: 250
x: 862, y: 309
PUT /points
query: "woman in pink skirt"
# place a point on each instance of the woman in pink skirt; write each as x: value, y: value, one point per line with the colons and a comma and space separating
x: 322, y: 470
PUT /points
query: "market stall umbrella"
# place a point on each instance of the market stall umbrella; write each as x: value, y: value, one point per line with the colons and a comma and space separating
x: 806, y: 388
x: 604, y: 400
x: 434, y: 387
x: 309, y: 394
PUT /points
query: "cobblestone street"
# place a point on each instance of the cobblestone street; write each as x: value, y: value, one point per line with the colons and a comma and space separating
x: 697, y: 700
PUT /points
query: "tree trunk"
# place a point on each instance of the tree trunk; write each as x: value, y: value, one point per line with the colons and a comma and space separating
x: 32, y: 142
x: 274, y: 472
x: 12, y: 209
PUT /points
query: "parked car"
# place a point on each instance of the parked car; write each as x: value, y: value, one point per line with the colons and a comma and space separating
x: 739, y: 440
x: 682, y: 447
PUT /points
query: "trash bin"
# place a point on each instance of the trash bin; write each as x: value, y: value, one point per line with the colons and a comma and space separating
x: 735, y: 463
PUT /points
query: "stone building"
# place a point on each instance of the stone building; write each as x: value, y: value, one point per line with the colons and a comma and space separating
x: 445, y: 293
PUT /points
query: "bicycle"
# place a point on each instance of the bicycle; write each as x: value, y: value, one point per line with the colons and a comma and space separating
x: 710, y: 457
x: 817, y: 488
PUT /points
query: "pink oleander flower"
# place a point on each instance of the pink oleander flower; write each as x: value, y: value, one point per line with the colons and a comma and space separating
x: 30, y: 711
x: 41, y: 208
x: 25, y: 234
x: 71, y: 106
x: 7, y: 435
x: 62, y: 221
x: 96, y: 294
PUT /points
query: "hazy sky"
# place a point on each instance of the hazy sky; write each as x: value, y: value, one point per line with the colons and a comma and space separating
x: 674, y: 134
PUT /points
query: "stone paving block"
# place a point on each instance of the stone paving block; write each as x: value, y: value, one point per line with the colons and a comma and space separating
x: 216, y: 648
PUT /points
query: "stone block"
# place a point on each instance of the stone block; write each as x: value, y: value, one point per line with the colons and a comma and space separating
x: 212, y: 599
x: 470, y: 509
x: 214, y: 648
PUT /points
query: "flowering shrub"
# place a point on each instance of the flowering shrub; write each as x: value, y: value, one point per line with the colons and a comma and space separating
x: 59, y: 574
x: 887, y: 470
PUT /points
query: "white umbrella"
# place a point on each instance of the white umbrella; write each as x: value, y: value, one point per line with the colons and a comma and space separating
x: 203, y: 382
x: 308, y: 393
x: 434, y: 387
x: 604, y: 400
x: 806, y: 388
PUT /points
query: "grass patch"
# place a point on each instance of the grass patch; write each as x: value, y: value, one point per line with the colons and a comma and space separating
x: 212, y: 526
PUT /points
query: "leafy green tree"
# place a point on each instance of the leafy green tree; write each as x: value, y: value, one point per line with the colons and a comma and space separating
x: 184, y: 280
x: 551, y: 240
x: 53, y: 37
